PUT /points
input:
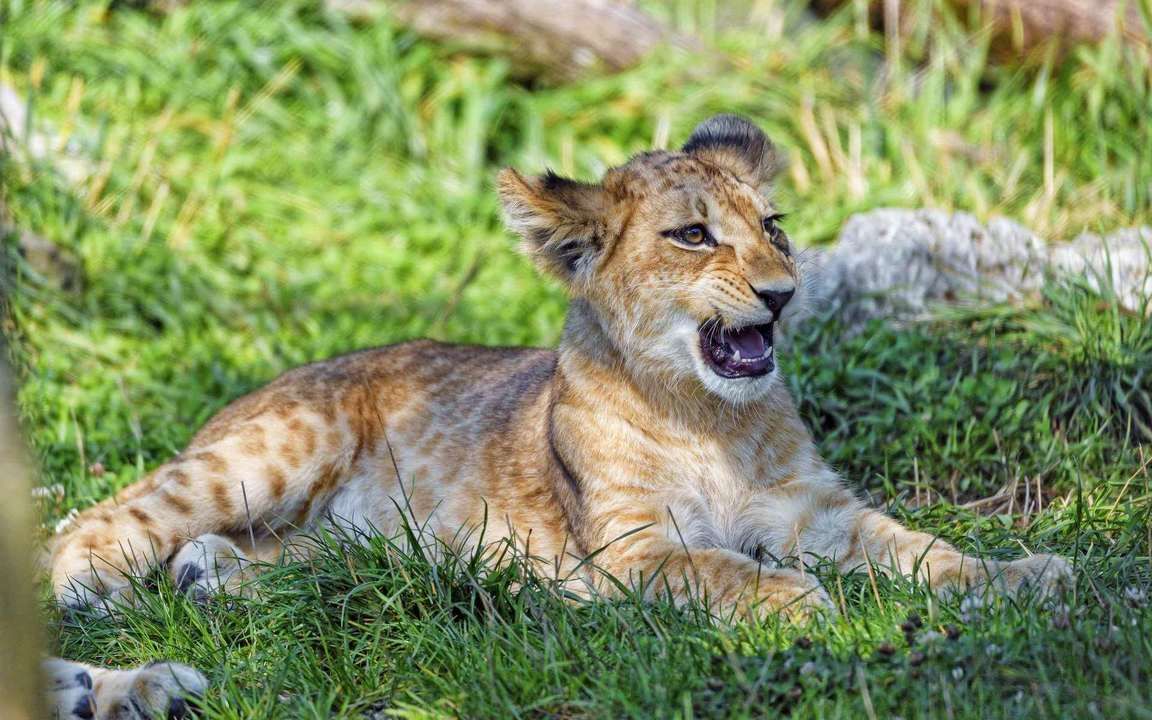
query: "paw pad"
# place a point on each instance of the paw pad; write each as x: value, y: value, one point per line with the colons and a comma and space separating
x: 188, y: 575
x: 85, y: 708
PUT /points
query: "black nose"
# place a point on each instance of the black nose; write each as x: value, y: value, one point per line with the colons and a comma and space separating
x: 776, y: 299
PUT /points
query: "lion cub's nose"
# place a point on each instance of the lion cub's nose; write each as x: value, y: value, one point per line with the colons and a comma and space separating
x: 776, y: 299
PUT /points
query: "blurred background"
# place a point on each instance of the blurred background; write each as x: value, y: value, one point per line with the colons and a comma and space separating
x: 199, y: 195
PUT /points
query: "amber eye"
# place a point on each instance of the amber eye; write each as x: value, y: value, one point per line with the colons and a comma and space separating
x: 690, y: 235
x: 776, y: 235
x: 693, y: 235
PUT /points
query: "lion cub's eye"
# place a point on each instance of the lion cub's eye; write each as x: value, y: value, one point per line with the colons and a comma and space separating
x: 690, y: 235
x: 776, y: 235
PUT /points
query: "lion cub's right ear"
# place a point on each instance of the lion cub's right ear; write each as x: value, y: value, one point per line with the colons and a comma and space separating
x: 733, y: 142
x: 561, y: 221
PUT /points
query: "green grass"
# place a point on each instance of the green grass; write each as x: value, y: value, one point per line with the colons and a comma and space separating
x: 270, y: 185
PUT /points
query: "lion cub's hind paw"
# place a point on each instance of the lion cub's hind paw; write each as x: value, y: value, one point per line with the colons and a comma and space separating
x: 207, y: 566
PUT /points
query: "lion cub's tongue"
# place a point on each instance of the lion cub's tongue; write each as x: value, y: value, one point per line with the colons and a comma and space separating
x: 747, y: 341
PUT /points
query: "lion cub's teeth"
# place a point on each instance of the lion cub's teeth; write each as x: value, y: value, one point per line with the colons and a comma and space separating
x: 736, y: 355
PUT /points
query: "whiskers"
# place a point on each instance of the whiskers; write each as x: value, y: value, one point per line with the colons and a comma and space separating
x: 712, y: 329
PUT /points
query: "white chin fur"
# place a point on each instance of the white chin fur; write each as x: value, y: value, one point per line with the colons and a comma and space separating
x: 737, y: 391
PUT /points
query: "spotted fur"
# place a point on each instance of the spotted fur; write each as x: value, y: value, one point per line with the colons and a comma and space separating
x: 620, y: 453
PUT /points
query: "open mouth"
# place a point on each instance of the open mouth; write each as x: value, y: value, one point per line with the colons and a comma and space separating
x: 737, y: 352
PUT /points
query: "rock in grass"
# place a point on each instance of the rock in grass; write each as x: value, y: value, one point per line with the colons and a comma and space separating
x: 899, y: 264
x: 1118, y: 261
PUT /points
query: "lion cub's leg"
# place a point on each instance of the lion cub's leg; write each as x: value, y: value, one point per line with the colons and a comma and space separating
x: 830, y: 522
x: 894, y: 548
x: 76, y: 691
x: 729, y: 583
x: 269, y: 471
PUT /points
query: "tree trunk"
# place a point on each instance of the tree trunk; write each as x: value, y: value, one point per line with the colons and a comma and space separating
x: 20, y: 648
x: 1020, y: 26
x: 555, y: 39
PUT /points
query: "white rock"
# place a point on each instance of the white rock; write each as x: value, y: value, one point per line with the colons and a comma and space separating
x: 899, y: 264
x: 1120, y: 259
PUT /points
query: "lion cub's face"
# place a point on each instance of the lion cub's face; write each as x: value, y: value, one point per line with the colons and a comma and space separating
x: 680, y: 253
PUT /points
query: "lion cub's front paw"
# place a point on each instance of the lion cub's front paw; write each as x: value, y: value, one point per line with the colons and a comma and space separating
x: 1040, y: 575
x: 796, y: 595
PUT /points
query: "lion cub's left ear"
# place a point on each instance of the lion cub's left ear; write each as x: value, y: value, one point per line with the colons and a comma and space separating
x: 561, y: 221
x: 737, y: 145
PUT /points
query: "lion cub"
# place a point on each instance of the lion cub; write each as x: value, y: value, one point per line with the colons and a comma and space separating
x: 659, y: 439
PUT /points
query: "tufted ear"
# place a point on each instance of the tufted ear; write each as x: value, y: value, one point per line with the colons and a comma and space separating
x: 561, y: 221
x: 737, y: 145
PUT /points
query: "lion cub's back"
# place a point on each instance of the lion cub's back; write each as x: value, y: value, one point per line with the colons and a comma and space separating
x: 419, y: 383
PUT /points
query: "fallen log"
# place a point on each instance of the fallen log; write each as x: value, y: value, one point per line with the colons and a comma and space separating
x: 558, y: 40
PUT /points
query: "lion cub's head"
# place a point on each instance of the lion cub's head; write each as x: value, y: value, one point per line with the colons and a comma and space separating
x: 680, y: 254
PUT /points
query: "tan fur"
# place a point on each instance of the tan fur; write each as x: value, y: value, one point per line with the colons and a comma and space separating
x: 621, y: 443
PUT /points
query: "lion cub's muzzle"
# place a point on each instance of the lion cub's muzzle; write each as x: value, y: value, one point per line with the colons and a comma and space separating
x: 737, y: 352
